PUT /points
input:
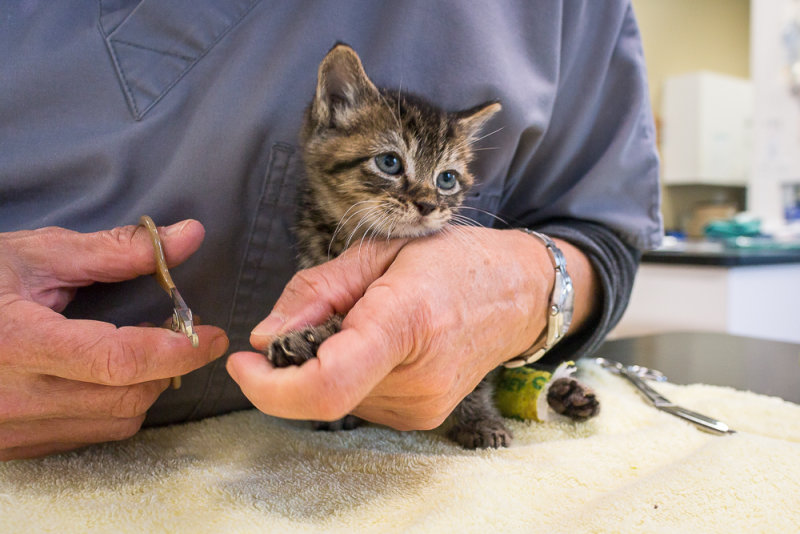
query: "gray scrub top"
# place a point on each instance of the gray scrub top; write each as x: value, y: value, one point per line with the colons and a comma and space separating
x: 191, y: 109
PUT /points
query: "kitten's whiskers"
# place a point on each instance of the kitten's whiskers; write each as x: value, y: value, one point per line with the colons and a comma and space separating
x: 467, y: 143
x: 489, y: 213
x: 372, y: 232
x: 458, y: 232
x: 365, y: 219
x: 345, y: 219
x: 481, y: 138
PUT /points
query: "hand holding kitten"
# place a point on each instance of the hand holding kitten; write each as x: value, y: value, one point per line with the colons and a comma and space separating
x: 425, y: 321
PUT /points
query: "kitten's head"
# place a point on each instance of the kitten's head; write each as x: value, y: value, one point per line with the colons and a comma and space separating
x: 386, y: 163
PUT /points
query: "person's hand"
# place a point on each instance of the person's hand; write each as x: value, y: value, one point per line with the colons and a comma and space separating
x: 68, y: 383
x: 426, y: 321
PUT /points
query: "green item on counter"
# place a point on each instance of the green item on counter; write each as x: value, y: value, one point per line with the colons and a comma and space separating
x: 733, y: 228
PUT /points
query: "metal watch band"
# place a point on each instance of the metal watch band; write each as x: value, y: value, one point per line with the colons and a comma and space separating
x: 561, y: 305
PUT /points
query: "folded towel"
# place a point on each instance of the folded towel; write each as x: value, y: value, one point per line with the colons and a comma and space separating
x: 630, y: 469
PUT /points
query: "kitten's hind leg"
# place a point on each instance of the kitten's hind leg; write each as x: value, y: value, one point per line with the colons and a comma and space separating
x: 478, y: 423
x: 298, y: 346
x: 572, y: 398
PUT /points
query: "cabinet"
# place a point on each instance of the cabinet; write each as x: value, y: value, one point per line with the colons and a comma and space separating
x: 761, y: 301
x: 707, y: 129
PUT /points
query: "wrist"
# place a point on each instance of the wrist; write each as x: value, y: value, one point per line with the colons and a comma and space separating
x: 560, y: 303
x: 530, y: 280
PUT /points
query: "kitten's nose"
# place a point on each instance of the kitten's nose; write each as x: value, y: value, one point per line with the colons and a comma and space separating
x: 425, y: 208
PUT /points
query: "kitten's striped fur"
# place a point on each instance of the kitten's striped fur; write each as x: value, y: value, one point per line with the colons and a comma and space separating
x: 350, y: 129
x: 349, y: 124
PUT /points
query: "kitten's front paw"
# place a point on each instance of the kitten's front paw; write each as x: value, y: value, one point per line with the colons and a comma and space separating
x: 481, y: 435
x: 294, y: 348
x: 299, y: 346
x: 570, y: 397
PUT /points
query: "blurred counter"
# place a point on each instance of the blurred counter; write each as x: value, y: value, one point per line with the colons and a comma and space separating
x: 749, y: 252
x: 750, y: 289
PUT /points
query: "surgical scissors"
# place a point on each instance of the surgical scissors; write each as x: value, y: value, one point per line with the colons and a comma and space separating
x: 637, y: 375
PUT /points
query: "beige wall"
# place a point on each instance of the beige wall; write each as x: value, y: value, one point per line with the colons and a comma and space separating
x: 681, y: 36
x: 686, y: 35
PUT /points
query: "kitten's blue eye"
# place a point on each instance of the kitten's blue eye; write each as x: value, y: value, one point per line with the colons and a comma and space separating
x: 389, y: 163
x: 447, y: 180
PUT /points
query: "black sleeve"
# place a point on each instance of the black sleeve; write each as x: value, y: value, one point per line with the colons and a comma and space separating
x: 615, y: 264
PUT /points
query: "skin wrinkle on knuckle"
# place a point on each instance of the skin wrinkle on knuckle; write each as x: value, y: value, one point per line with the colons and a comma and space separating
x: 325, y: 286
x: 304, y: 284
x: 393, y: 304
x: 125, y: 238
x: 117, y: 363
x: 25, y: 257
x: 122, y: 236
x: 306, y: 287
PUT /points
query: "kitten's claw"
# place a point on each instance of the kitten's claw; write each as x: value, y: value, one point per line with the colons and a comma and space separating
x: 481, y: 435
x: 291, y: 349
x: 299, y: 346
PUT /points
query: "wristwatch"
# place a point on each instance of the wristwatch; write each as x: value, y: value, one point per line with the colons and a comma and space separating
x: 562, y: 303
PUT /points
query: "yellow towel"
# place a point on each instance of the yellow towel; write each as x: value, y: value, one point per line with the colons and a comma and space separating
x: 631, y: 469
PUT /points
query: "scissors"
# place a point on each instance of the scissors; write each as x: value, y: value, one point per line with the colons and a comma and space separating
x: 182, y: 320
x: 637, y: 375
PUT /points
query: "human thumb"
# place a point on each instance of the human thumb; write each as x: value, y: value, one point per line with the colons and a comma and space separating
x: 315, y: 294
x: 121, y: 253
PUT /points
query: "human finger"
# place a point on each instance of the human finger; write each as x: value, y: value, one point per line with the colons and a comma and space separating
x: 112, y: 255
x: 44, y: 342
x: 37, y: 435
x: 348, y: 366
x: 315, y: 294
x: 38, y: 451
x: 48, y: 397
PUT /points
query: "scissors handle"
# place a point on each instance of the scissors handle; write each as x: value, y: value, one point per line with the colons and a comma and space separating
x: 162, y: 271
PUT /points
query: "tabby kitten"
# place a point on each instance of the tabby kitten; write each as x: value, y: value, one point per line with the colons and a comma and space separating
x: 379, y: 165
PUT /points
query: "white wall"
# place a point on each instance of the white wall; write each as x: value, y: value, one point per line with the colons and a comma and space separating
x: 776, y: 120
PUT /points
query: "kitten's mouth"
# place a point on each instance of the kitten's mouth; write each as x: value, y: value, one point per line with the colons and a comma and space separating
x: 415, y: 224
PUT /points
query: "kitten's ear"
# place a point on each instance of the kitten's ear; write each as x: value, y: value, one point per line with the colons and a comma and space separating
x: 342, y: 85
x: 473, y: 119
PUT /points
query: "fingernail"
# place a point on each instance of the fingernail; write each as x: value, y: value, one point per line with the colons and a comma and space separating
x: 175, y: 229
x: 219, y: 346
x: 269, y: 326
